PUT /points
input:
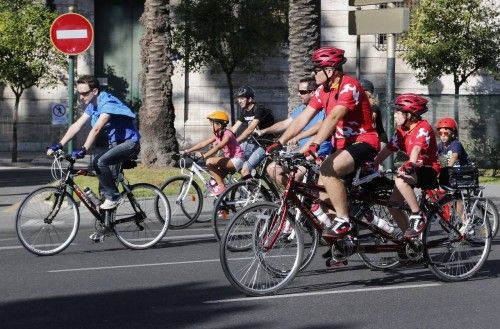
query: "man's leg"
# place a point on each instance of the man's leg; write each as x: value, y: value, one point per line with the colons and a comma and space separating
x: 248, y: 149
x: 253, y: 160
x: 113, y: 156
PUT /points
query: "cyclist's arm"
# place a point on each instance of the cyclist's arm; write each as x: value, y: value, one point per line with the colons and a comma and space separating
x: 247, y: 132
x: 216, y: 148
x: 277, y: 127
x: 309, y: 132
x: 453, y: 159
x: 236, y: 126
x: 415, y: 151
x: 201, y: 144
x: 381, y: 156
x: 91, y: 137
x: 74, y: 128
x: 329, y: 124
x: 298, y: 124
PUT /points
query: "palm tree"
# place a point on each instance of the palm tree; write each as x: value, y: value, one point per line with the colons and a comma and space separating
x: 304, y: 19
x: 156, y: 114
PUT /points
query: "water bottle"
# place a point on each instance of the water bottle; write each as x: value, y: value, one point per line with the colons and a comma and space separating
x: 320, y: 214
x: 381, y: 223
x: 91, y: 195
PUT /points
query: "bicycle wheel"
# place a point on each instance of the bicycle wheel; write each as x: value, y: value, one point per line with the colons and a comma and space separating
x: 310, y: 239
x: 47, y: 221
x: 492, y: 210
x: 377, y: 261
x: 273, y: 258
x: 143, y: 218
x: 186, y: 201
x: 454, y: 256
x: 236, y: 197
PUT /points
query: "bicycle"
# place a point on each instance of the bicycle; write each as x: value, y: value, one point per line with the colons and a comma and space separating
x: 48, y: 219
x: 273, y: 260
x: 189, y: 195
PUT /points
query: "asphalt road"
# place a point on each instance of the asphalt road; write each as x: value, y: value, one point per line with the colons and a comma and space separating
x: 180, y: 284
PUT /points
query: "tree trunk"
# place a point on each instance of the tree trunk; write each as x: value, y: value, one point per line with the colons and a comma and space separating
x: 157, y: 115
x: 305, y: 25
x: 231, y: 97
x: 15, y: 116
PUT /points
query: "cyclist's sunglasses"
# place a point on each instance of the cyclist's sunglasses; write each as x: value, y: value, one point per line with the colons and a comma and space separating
x: 85, y: 93
x: 305, y: 92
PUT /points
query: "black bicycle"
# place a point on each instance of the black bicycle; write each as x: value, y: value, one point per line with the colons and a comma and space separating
x: 48, y: 219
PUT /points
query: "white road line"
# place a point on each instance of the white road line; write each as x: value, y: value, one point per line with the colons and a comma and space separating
x: 136, y: 265
x: 330, y: 292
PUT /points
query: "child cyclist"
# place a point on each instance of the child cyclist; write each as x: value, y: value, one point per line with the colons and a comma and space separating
x: 224, y: 139
x: 450, y: 147
x: 415, y: 137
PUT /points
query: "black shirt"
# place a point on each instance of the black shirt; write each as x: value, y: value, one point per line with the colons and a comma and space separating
x: 259, y: 112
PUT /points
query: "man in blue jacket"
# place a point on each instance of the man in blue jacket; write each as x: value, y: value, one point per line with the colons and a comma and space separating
x: 106, y: 113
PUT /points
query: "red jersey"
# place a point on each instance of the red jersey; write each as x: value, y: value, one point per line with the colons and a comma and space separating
x: 422, y: 135
x: 357, y: 125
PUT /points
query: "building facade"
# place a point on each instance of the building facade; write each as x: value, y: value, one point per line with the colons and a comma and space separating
x: 114, y: 57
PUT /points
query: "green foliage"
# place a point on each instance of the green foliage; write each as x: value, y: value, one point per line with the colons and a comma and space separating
x: 485, y: 152
x: 230, y: 34
x: 458, y: 37
x: 27, y: 57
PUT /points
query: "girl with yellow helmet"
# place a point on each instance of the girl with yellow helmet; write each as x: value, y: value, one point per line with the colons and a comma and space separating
x: 223, y: 139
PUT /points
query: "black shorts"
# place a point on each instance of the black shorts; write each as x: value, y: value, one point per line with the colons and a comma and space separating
x: 426, y: 178
x: 361, y: 153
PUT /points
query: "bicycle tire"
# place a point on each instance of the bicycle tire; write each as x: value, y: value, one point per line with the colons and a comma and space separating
x: 377, y: 261
x: 184, y: 211
x: 41, y: 236
x: 311, y: 238
x: 491, y: 207
x: 256, y: 271
x: 142, y: 230
x: 236, y: 197
x: 452, y: 257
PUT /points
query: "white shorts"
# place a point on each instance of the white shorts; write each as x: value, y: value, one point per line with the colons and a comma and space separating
x: 237, y: 163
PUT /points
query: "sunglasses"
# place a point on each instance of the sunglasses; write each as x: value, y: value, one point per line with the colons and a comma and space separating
x: 316, y: 70
x: 444, y: 133
x: 84, y: 93
x: 305, y: 92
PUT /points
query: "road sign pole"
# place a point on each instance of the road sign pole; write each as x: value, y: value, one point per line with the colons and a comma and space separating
x: 71, y: 95
x: 390, y: 90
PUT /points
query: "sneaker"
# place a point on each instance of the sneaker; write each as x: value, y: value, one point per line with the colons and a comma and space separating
x: 110, y: 204
x: 98, y: 236
x: 417, y: 224
x: 339, y: 227
x: 217, y: 190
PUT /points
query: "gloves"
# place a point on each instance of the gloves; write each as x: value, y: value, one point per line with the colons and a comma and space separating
x: 274, y: 147
x: 55, y: 147
x: 312, y: 150
x: 79, y: 154
x: 408, y: 167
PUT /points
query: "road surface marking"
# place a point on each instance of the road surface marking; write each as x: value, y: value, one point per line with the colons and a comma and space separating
x: 136, y: 265
x: 329, y: 292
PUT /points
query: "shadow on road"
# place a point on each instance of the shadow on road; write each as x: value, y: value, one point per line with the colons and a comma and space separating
x: 177, y: 306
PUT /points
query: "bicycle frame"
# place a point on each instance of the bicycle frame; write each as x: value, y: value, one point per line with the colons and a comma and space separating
x: 295, y: 191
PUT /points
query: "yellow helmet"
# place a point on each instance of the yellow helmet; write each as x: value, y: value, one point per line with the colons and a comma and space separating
x: 219, y: 116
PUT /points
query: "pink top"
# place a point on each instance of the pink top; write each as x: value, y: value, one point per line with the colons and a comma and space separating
x: 232, y: 149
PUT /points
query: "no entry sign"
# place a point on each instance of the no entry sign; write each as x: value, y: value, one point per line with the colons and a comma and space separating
x: 71, y: 33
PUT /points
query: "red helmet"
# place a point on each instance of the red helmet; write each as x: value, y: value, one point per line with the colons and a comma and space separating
x: 411, y: 103
x: 328, y: 57
x: 448, y: 123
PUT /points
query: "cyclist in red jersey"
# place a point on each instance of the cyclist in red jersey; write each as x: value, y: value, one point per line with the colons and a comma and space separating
x: 348, y: 119
x: 415, y: 137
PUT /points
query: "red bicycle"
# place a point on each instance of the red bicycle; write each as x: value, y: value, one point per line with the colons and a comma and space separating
x: 259, y: 257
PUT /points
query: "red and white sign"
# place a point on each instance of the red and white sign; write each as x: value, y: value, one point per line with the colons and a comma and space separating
x: 71, y: 34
